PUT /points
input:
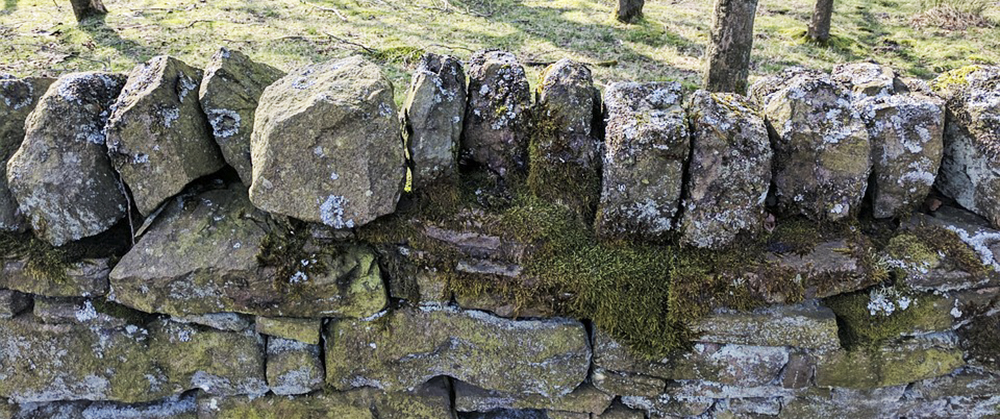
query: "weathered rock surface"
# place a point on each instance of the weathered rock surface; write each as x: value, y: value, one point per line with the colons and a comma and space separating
x: 729, y: 173
x: 410, y: 346
x: 806, y: 325
x: 928, y: 270
x: 970, y: 169
x: 293, y: 367
x: 20, y: 96
x: 831, y: 267
x: 821, y: 147
x: 201, y: 255
x: 497, y: 117
x: 565, y: 156
x: 869, y: 79
x: 174, y: 407
x: 13, y: 303
x: 907, y: 144
x: 326, y: 146
x: 429, y: 401
x: 584, y: 399
x: 298, y: 329
x: 646, y: 147
x: 157, y: 133
x: 228, y: 94
x: 434, y: 112
x: 86, y: 278
x: 233, y: 322
x: 61, y: 176
x: 890, y: 365
x: 107, y: 361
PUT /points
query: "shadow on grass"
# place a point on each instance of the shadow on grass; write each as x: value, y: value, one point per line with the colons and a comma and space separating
x: 109, y: 37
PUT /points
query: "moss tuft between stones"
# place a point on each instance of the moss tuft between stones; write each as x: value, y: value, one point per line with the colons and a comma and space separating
x: 577, y: 187
x: 957, y: 76
x: 47, y: 262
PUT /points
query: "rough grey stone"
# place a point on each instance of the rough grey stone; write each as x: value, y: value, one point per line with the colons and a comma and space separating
x: 233, y: 322
x: 970, y: 169
x: 173, y: 407
x: 646, y: 147
x: 821, y: 147
x: 583, y: 399
x: 869, y: 79
x: 802, y: 326
x: 299, y: 329
x: 61, y: 176
x: 496, y: 128
x: 85, y: 278
x: 889, y: 365
x: 20, y: 96
x: 936, y: 272
x: 729, y: 173
x: 13, y: 303
x: 326, y: 145
x: 228, y: 94
x: 158, y: 135
x: 410, y: 346
x: 434, y: 112
x: 293, y: 367
x: 201, y: 255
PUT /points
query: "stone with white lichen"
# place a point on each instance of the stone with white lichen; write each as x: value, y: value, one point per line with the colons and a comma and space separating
x: 907, y: 144
x: 293, y: 367
x: 869, y: 79
x: 496, y: 128
x: 326, y: 145
x: 203, y: 254
x: 434, y: 112
x: 158, y: 135
x: 970, y: 169
x: 61, y: 176
x: 822, y: 151
x: 647, y: 145
x: 729, y: 172
x: 228, y: 94
x: 407, y: 347
x: 18, y: 97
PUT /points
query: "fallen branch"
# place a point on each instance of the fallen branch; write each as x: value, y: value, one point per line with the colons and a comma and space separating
x: 326, y: 9
x: 344, y: 41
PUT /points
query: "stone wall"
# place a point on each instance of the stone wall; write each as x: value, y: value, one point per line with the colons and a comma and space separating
x: 241, y: 242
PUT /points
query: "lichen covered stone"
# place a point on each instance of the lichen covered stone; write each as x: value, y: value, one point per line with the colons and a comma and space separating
x: 158, y: 135
x: 326, y: 145
x: 84, y: 278
x: 434, y: 112
x: 496, y: 128
x: 202, y: 255
x: 970, y: 168
x: 228, y: 94
x: 408, y: 347
x: 822, y: 151
x: 18, y: 97
x: 803, y: 326
x: 646, y: 147
x: 907, y: 145
x: 293, y: 367
x: 890, y: 365
x: 869, y: 79
x: 585, y: 399
x: 729, y: 173
x: 299, y: 329
x: 61, y: 176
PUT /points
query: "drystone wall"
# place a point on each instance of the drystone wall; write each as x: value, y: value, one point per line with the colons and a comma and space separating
x: 240, y: 242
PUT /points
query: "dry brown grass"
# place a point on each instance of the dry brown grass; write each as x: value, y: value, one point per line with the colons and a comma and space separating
x: 949, y: 18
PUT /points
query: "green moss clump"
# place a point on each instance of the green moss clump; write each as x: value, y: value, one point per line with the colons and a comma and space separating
x: 286, y: 249
x: 556, y: 174
x: 954, y: 77
x: 49, y: 263
x: 928, y: 246
x: 395, y: 55
x: 863, y: 324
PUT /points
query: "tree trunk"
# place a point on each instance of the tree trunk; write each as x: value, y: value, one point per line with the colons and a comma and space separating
x: 88, y: 8
x: 819, y: 28
x: 629, y: 11
x: 727, y: 59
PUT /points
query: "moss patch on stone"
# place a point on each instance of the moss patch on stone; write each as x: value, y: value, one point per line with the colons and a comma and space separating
x: 957, y: 76
x: 47, y: 262
x: 863, y: 325
x: 568, y: 182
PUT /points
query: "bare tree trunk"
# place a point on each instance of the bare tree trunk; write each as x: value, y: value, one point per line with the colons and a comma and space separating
x: 629, y: 11
x: 87, y: 8
x: 819, y: 28
x: 727, y: 59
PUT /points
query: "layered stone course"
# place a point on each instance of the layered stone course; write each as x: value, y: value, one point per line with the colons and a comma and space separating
x: 233, y: 251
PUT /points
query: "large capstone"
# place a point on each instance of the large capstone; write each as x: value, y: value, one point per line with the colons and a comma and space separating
x: 729, y: 173
x: 61, y: 175
x: 906, y: 133
x: 229, y: 92
x: 410, y: 346
x: 215, y: 252
x: 565, y: 156
x: 970, y: 169
x: 326, y: 145
x: 497, y: 119
x: 158, y: 135
x: 647, y: 145
x: 869, y: 79
x: 434, y: 112
x: 18, y: 97
x: 821, y: 147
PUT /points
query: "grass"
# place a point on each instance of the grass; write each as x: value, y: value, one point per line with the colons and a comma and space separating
x: 666, y: 45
